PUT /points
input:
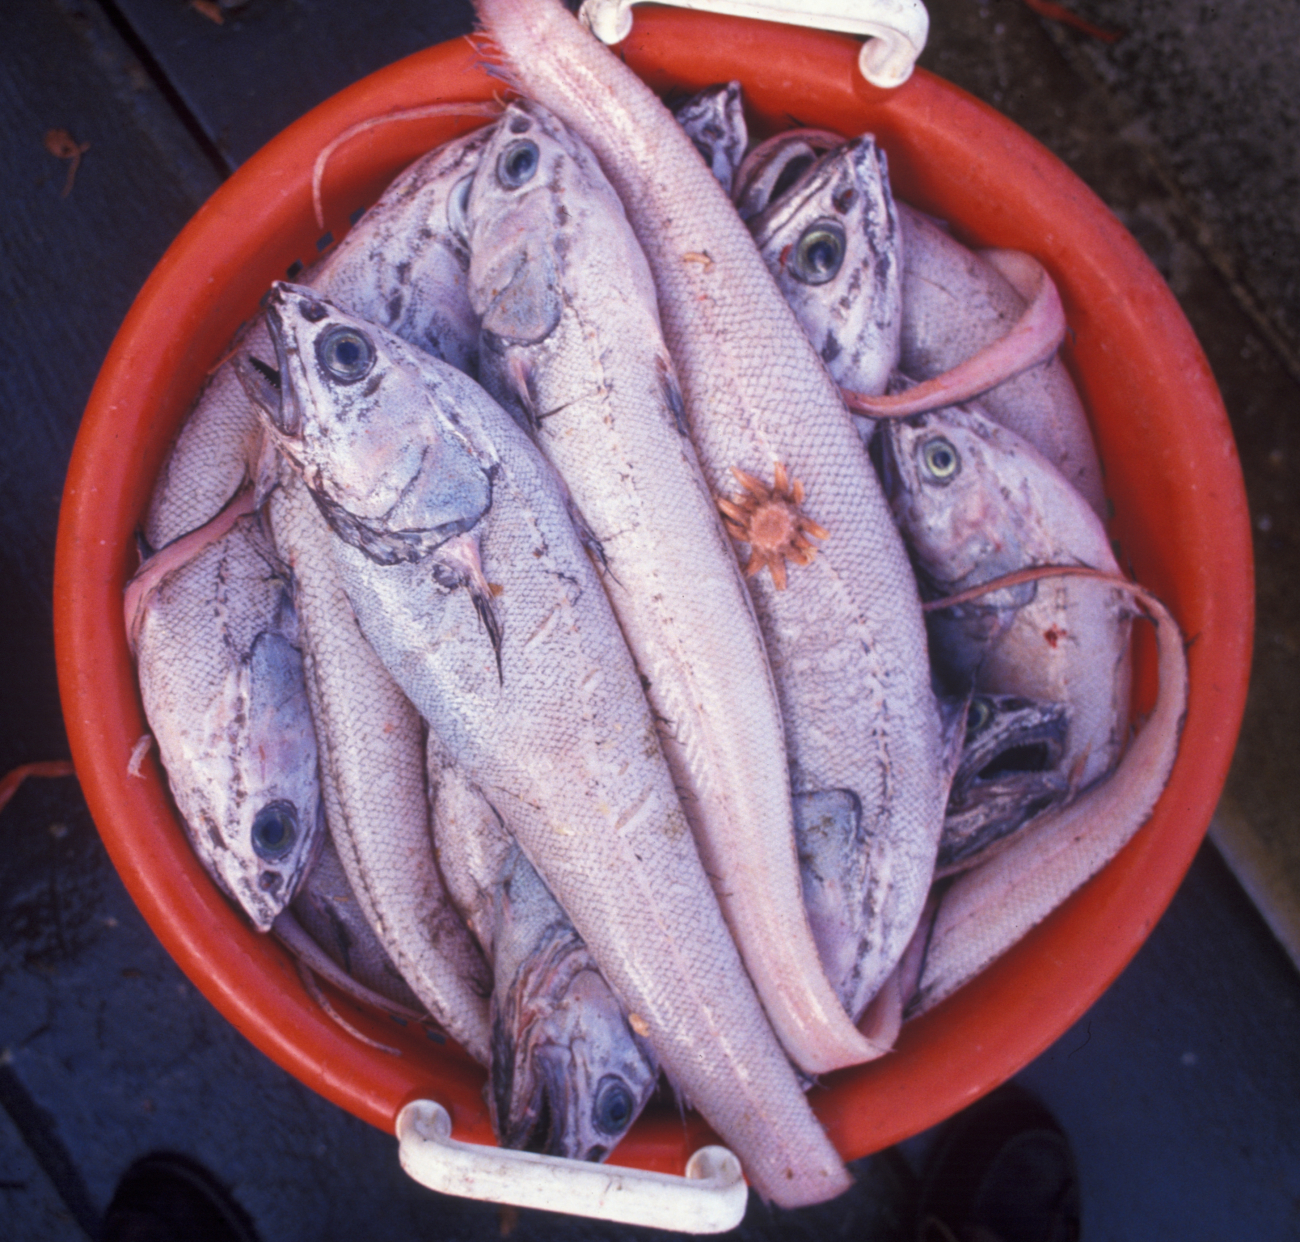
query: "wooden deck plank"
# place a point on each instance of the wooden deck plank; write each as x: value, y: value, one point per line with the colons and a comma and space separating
x: 244, y: 80
x: 71, y: 266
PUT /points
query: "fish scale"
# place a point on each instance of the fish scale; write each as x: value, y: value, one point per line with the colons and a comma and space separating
x: 846, y: 642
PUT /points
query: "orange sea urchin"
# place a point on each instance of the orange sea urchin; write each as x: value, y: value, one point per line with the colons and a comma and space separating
x: 768, y: 519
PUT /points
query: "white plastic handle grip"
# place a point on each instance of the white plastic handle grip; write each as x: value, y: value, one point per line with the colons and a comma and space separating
x: 895, y: 30
x: 709, y: 1199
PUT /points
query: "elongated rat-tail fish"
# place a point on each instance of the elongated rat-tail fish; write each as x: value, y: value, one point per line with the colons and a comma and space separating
x: 221, y: 676
x: 401, y: 265
x: 988, y: 908
x: 714, y: 120
x: 590, y: 373
x: 976, y: 502
x: 373, y: 781
x: 569, y: 1076
x: 460, y: 557
x: 846, y: 640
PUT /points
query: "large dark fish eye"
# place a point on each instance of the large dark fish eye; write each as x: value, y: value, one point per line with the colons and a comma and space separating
x: 517, y: 163
x: 613, y: 1107
x: 940, y: 460
x: 275, y: 829
x: 819, y: 252
x: 346, y: 354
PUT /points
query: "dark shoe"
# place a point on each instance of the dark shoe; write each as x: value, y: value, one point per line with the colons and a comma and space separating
x: 1001, y: 1171
x: 167, y: 1198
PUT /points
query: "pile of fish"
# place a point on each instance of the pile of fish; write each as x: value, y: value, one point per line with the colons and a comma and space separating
x: 535, y: 641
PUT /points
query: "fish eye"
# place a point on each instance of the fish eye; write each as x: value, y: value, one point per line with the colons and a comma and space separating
x: 346, y: 354
x: 940, y: 459
x: 612, y: 1110
x: 978, y: 715
x: 458, y: 207
x: 275, y: 829
x: 819, y: 252
x: 517, y: 163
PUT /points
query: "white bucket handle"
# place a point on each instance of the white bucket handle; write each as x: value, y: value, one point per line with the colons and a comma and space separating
x: 895, y: 30
x: 709, y: 1199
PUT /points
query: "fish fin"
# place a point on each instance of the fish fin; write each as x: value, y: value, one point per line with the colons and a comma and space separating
x: 457, y: 563
x: 672, y: 394
x: 588, y: 538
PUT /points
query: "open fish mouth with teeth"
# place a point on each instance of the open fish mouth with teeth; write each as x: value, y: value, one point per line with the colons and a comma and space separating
x: 1008, y: 773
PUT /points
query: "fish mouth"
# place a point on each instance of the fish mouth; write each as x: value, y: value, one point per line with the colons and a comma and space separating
x: 1008, y: 775
x: 530, y: 1104
x: 285, y: 410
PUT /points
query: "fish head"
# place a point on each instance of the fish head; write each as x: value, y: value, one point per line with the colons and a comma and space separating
x: 254, y: 811
x: 714, y: 120
x: 280, y: 823
x: 373, y: 425
x: 515, y: 214
x: 1010, y: 770
x: 569, y: 1074
x: 958, y: 491
x: 405, y: 260
x: 832, y: 243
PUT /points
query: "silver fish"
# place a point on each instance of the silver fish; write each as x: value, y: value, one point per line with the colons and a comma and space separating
x: 832, y: 244
x: 373, y: 781
x: 976, y: 502
x: 846, y: 641
x: 569, y: 1076
x: 955, y: 303
x: 530, y: 687
x: 401, y: 265
x: 714, y: 120
x: 221, y: 676
x: 986, y: 909
x: 549, y: 241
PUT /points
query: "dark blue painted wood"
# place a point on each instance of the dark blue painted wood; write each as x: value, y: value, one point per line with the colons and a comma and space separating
x: 272, y: 60
x: 71, y: 267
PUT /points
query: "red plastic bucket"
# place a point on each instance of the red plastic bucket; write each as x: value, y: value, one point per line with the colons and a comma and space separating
x: 1171, y: 470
